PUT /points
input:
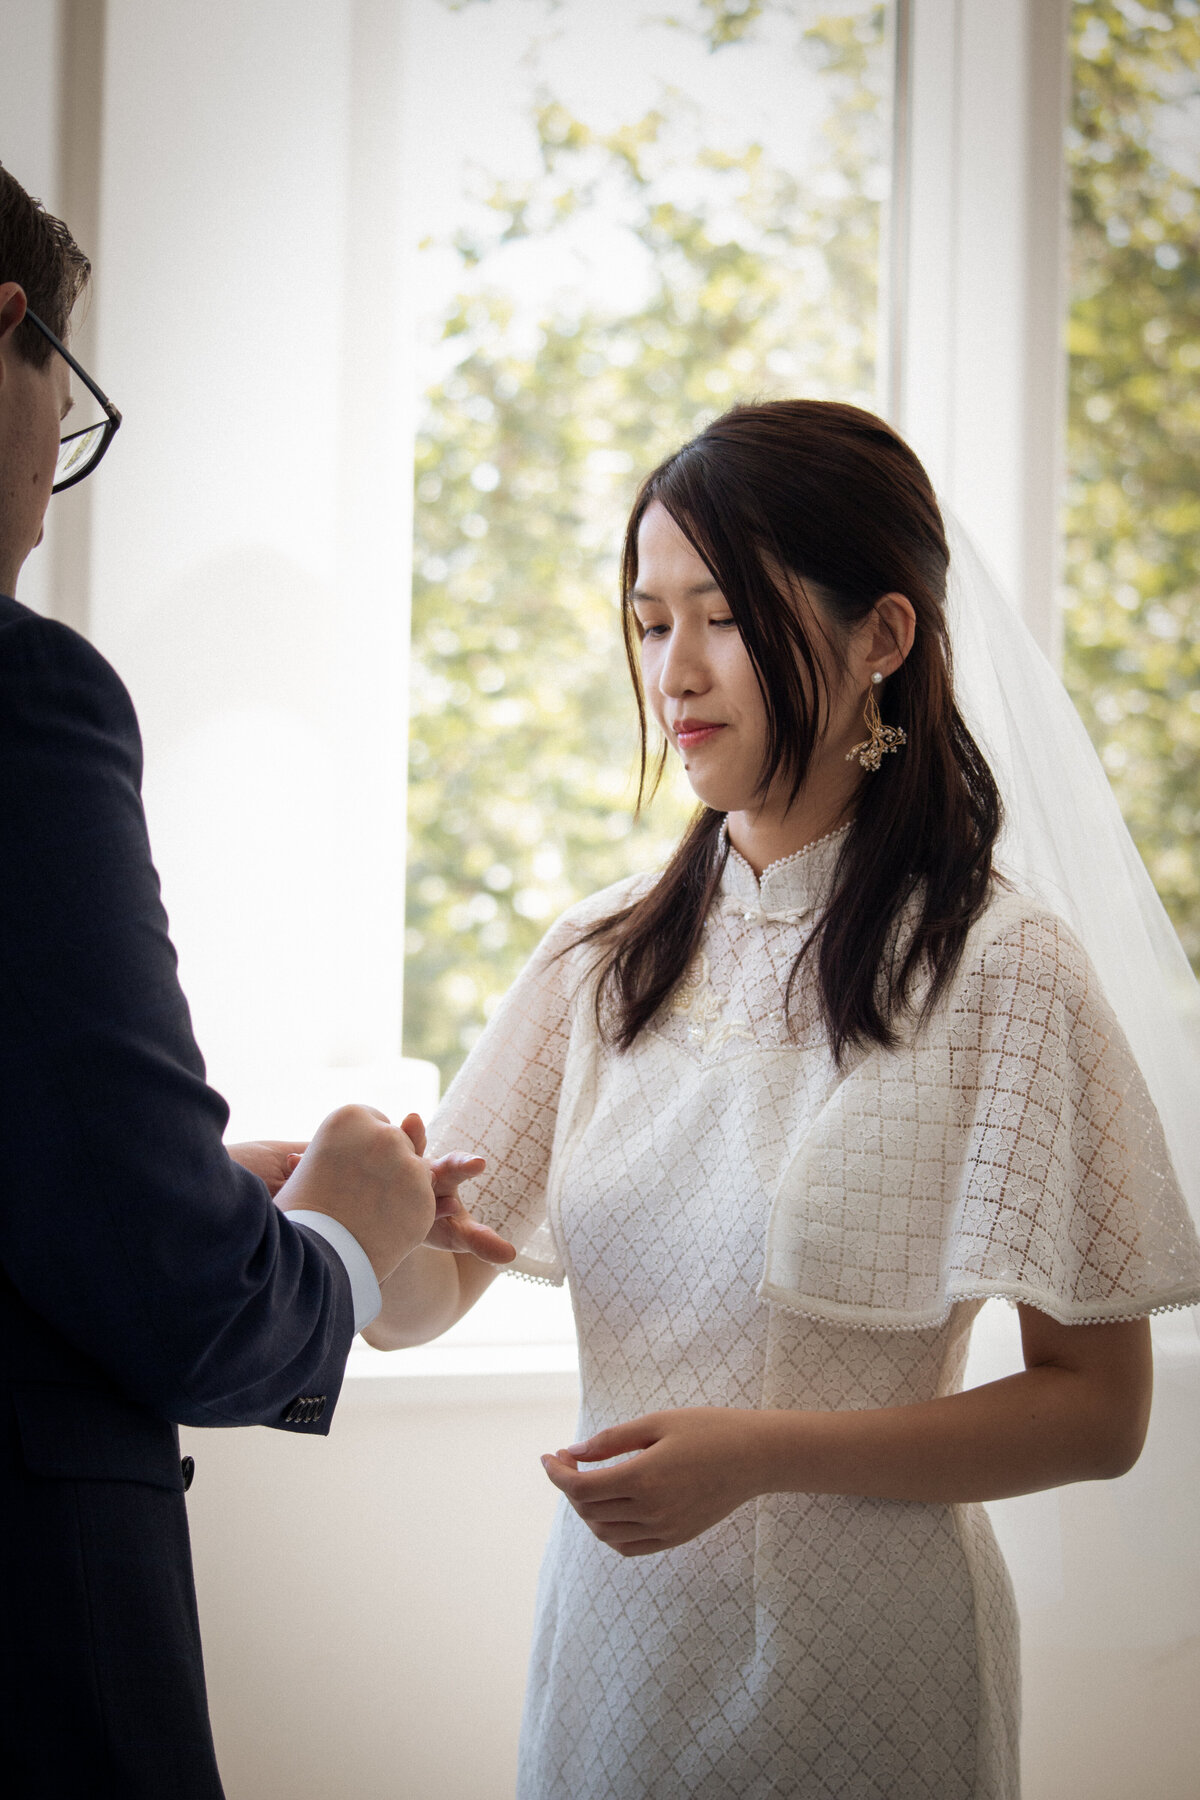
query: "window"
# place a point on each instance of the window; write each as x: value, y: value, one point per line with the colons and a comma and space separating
x: 1132, y: 525
x: 645, y: 219
x: 630, y: 220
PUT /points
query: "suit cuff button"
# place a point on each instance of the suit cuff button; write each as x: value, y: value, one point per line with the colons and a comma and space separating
x: 306, y: 1409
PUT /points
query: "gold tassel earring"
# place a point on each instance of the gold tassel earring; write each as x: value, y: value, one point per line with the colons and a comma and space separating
x: 880, y: 738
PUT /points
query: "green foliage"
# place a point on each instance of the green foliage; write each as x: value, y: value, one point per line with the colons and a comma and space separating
x: 762, y: 283
x: 758, y: 283
x: 729, y: 21
x: 1132, y: 617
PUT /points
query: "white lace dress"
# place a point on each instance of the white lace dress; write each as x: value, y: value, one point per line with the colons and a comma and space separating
x: 742, y: 1225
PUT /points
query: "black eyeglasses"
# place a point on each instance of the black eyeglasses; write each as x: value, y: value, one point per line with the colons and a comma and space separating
x: 79, y: 453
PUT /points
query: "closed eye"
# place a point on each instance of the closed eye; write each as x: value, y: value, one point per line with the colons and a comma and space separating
x: 660, y: 631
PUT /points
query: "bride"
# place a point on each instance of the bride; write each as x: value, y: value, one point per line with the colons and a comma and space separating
x: 784, y: 1114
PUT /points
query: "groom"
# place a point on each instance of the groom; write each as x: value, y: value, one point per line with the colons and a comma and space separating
x: 146, y: 1278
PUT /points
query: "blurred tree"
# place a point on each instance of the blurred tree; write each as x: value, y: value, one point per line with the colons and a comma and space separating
x: 763, y: 281
x: 760, y: 281
x: 1132, y: 615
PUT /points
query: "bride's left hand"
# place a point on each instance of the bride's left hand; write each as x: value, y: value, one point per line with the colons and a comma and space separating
x: 695, y: 1465
x: 453, y: 1227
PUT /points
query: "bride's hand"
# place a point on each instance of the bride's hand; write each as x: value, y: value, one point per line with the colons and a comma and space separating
x: 453, y: 1227
x: 696, y: 1465
x: 272, y: 1162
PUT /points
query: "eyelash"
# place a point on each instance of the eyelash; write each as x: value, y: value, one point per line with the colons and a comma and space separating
x: 654, y: 631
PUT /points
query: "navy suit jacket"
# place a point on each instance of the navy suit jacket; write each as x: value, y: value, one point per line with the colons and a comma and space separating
x: 145, y: 1278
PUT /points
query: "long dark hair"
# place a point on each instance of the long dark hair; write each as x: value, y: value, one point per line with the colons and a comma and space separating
x: 831, y: 497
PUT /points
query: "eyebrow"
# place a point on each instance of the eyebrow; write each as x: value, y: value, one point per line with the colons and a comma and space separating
x: 697, y: 588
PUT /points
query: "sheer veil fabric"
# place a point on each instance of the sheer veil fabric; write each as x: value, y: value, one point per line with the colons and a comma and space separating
x: 1104, y: 1572
x: 1065, y: 841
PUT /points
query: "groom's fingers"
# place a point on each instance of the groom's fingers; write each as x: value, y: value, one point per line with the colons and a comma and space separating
x: 413, y: 1127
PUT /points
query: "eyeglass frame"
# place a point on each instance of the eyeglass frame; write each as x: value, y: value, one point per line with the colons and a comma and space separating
x: 112, y: 417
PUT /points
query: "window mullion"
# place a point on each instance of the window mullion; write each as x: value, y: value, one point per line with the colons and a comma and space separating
x: 976, y: 371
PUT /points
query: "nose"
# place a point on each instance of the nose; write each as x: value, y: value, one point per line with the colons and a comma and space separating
x: 684, y: 669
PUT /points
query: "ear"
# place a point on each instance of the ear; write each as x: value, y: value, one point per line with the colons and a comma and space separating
x: 886, y: 635
x: 13, y: 307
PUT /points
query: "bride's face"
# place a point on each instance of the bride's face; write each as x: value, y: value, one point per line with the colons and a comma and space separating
x: 700, y: 683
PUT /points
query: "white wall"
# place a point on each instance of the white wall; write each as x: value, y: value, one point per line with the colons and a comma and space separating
x: 1107, y: 1577
x: 250, y: 535
x: 29, y: 147
x: 29, y: 95
x: 366, y: 1601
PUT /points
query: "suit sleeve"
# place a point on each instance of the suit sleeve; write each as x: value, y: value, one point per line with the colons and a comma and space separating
x: 125, y: 1225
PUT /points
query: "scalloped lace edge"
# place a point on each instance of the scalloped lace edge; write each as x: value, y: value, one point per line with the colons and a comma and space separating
x: 862, y: 1319
x: 518, y: 1274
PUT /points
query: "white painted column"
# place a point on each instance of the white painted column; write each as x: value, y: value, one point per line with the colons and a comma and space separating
x: 977, y: 374
x: 51, y: 99
x: 29, y: 83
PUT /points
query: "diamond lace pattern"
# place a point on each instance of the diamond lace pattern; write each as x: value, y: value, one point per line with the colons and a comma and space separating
x: 1011, y: 1149
x: 809, y: 1646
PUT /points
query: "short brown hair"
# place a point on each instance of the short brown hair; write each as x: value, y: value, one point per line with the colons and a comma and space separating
x: 39, y: 253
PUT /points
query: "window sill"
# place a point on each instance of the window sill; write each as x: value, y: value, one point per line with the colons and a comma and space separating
x: 462, y: 1375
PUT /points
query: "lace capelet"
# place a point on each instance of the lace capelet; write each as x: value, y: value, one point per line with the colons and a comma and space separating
x: 1009, y: 1148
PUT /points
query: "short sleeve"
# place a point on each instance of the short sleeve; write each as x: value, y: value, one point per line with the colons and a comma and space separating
x: 1009, y: 1149
x: 1068, y: 1199
x: 503, y: 1103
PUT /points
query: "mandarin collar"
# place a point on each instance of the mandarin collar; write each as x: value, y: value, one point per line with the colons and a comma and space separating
x: 789, y: 890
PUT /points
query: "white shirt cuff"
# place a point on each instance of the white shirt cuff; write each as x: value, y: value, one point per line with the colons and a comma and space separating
x: 364, y: 1289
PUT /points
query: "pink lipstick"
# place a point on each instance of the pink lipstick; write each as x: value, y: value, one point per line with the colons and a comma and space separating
x: 690, y: 732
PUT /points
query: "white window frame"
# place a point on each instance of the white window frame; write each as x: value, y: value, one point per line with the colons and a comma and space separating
x: 973, y: 314
x: 973, y: 372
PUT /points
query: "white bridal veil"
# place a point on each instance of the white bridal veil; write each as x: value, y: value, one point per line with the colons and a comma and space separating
x: 1065, y: 839
x: 1107, y: 1574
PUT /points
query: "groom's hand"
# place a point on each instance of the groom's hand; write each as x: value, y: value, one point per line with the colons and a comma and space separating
x: 369, y: 1175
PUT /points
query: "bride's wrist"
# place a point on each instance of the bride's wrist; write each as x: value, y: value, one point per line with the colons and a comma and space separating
x: 785, y: 1452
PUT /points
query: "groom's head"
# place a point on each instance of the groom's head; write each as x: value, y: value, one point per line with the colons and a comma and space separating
x: 42, y: 270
